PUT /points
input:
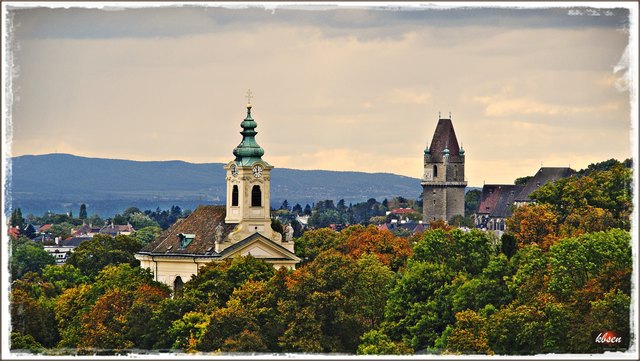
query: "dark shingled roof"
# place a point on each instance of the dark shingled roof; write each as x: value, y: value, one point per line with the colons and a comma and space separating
x: 506, y: 199
x: 544, y: 175
x: 444, y: 137
x: 202, y: 222
x: 74, y: 242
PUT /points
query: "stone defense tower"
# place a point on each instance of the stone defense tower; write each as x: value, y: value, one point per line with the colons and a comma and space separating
x: 443, y: 183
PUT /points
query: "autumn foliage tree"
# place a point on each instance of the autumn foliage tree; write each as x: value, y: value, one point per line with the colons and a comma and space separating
x: 534, y: 224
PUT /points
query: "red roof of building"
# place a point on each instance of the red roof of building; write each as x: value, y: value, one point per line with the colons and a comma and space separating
x: 14, y: 232
x: 402, y: 211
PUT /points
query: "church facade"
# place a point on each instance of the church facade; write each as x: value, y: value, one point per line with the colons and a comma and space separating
x: 443, y: 182
x: 215, y: 233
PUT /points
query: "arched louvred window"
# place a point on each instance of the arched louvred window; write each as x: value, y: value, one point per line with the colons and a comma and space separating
x: 234, y: 196
x: 435, y: 170
x: 256, y: 196
x: 177, y: 286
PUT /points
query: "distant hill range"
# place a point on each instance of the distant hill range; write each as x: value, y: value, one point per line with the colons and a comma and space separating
x: 61, y: 182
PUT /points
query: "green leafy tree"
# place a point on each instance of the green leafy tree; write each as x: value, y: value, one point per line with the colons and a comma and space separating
x: 215, y: 282
x: 508, y: 244
x: 63, y: 277
x: 460, y: 251
x: 371, y: 285
x: 91, y: 256
x: 471, y: 202
x: 419, y: 307
x: 146, y: 234
x: 188, y: 330
x: 22, y: 343
x: 160, y: 323
x: 516, y: 330
x: 62, y: 230
x: 376, y: 342
x: 318, y: 307
x: 140, y: 220
x: 325, y: 217
x: 608, y: 189
x: 522, y: 180
x: 28, y: 256
x: 611, y: 313
x: 312, y: 242
x: 575, y: 261
x: 488, y: 288
x: 530, y: 275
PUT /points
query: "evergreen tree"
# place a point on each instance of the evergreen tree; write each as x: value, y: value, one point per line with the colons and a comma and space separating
x: 83, y: 211
x: 297, y: 209
x: 16, y: 218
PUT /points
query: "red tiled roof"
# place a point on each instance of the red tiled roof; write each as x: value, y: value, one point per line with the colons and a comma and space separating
x: 14, y: 232
x: 489, y: 198
x: 45, y: 228
x: 402, y: 211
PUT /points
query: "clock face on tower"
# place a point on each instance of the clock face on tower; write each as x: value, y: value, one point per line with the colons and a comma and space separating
x: 257, y: 171
x: 234, y: 170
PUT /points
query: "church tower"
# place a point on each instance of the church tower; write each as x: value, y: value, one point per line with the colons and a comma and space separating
x: 248, y: 187
x: 443, y: 182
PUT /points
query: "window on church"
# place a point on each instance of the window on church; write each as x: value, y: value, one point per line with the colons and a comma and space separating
x: 185, y: 239
x: 256, y: 196
x: 435, y: 170
x: 234, y: 196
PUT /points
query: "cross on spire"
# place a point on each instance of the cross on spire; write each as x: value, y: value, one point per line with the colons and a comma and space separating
x: 249, y: 96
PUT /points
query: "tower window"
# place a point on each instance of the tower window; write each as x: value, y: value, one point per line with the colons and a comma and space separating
x: 256, y: 196
x: 234, y: 196
x: 435, y: 170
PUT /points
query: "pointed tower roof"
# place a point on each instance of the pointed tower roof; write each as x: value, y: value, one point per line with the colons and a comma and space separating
x: 444, y: 138
x: 248, y: 151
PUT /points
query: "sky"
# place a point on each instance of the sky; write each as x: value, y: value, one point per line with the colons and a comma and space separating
x: 353, y: 87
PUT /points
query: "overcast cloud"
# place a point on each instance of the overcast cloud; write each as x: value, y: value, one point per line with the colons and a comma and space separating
x: 340, y: 89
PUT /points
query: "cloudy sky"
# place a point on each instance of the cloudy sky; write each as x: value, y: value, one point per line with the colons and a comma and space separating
x: 339, y: 88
